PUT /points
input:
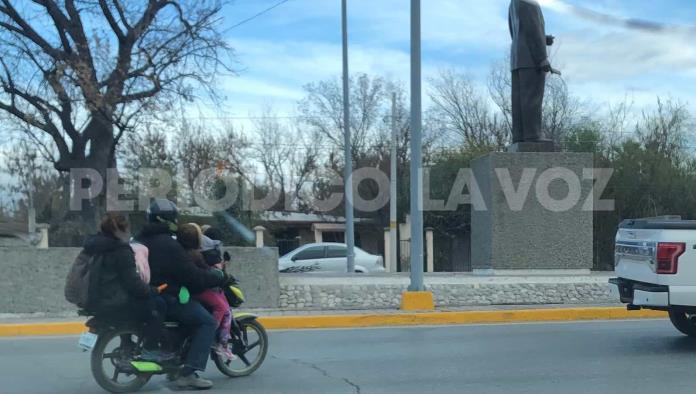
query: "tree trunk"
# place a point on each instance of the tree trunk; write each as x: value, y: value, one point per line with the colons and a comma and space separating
x: 96, y: 153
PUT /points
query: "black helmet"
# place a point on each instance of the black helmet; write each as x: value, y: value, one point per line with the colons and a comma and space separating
x: 162, y: 210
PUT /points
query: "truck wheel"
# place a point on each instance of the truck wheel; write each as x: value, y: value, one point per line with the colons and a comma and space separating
x: 681, y: 322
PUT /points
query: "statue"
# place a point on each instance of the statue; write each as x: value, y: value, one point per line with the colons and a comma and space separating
x: 529, y: 64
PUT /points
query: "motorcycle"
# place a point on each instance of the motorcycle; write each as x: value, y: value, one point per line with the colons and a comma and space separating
x: 116, y: 347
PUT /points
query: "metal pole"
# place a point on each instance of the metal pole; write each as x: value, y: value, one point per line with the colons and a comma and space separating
x: 416, y: 155
x: 393, y: 198
x: 348, y: 170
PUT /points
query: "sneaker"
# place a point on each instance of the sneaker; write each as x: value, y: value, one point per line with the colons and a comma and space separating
x: 156, y: 356
x: 193, y: 381
x: 224, y: 352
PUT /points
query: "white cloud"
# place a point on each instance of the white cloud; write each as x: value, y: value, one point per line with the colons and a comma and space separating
x: 606, y: 63
x: 617, y: 54
x: 257, y: 87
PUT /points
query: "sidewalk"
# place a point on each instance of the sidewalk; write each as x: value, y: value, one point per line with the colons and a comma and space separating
x: 65, y: 324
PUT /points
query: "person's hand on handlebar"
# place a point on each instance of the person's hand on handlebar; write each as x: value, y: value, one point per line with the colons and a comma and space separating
x: 230, y: 280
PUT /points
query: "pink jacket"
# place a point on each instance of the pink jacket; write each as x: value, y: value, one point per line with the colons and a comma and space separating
x: 141, y: 261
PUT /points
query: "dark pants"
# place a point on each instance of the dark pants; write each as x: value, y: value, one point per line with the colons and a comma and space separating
x: 203, y: 326
x: 527, y: 99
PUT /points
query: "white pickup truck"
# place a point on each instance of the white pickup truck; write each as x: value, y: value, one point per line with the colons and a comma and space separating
x: 656, y: 267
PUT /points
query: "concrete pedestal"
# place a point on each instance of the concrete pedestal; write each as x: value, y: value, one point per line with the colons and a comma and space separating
x: 539, y: 146
x: 537, y: 216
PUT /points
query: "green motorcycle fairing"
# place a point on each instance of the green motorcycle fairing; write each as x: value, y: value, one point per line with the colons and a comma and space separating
x: 146, y: 366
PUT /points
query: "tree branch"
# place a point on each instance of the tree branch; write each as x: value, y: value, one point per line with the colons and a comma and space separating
x: 84, y: 63
x: 60, y: 21
x: 112, y: 21
x: 121, y: 14
x: 27, y: 31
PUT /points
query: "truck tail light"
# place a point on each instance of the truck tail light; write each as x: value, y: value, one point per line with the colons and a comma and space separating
x: 668, y: 257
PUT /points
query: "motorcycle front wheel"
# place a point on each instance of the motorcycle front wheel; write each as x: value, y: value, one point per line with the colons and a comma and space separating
x: 111, y: 359
x: 250, y: 348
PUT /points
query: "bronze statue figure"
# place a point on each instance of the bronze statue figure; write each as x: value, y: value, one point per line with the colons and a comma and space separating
x: 529, y: 64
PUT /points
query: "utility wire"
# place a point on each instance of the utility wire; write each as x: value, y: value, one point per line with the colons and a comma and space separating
x: 278, y: 4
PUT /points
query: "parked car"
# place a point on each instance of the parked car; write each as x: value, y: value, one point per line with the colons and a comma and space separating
x: 656, y: 267
x: 328, y: 257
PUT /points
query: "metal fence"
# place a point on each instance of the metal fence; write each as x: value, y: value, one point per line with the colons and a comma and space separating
x: 287, y: 245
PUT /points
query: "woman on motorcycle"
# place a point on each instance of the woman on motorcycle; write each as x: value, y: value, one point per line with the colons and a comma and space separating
x: 119, y: 292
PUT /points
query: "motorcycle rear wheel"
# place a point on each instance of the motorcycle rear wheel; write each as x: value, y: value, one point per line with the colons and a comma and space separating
x: 117, y: 357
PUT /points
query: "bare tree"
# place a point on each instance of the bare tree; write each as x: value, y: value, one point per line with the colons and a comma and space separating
x: 500, y: 89
x: 402, y: 119
x: 617, y: 121
x: 83, y: 71
x: 461, y: 110
x: 196, y: 151
x: 233, y: 148
x: 148, y: 148
x: 303, y: 165
x: 200, y: 147
x: 288, y: 156
x: 559, y: 110
x: 322, y: 110
x: 34, y: 184
x: 666, y: 129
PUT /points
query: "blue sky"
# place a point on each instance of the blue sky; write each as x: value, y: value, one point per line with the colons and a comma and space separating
x: 299, y: 42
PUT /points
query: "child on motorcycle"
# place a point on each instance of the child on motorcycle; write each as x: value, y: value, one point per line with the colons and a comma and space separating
x: 205, y: 254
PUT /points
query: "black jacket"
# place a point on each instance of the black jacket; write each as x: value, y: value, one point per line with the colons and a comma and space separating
x: 118, y: 282
x: 170, y: 264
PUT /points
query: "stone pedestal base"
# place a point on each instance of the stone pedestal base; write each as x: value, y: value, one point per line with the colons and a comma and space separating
x: 539, y: 146
x: 537, y: 214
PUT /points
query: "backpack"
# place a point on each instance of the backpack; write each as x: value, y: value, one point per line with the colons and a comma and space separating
x: 82, y: 279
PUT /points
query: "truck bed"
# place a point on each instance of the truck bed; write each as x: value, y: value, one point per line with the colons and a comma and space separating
x: 659, y: 223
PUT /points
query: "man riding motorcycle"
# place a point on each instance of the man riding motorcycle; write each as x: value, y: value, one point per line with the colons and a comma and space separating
x: 171, y: 265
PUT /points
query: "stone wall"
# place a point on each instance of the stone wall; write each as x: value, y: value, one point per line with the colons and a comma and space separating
x: 257, y: 272
x: 453, y: 290
x: 32, y: 280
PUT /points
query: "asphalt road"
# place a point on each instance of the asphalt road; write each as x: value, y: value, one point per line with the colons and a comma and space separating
x: 594, y: 357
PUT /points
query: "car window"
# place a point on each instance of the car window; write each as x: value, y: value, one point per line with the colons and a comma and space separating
x: 336, y: 251
x: 315, y: 252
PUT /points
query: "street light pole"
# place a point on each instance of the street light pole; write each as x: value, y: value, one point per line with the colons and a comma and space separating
x: 348, y: 168
x: 393, y: 198
x: 416, y: 155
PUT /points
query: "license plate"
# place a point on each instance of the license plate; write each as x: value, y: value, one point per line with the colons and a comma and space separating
x: 87, y: 341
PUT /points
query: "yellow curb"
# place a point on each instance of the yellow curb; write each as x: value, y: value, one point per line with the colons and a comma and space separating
x: 382, y: 320
x: 454, y: 318
x: 417, y: 301
x: 33, y: 329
